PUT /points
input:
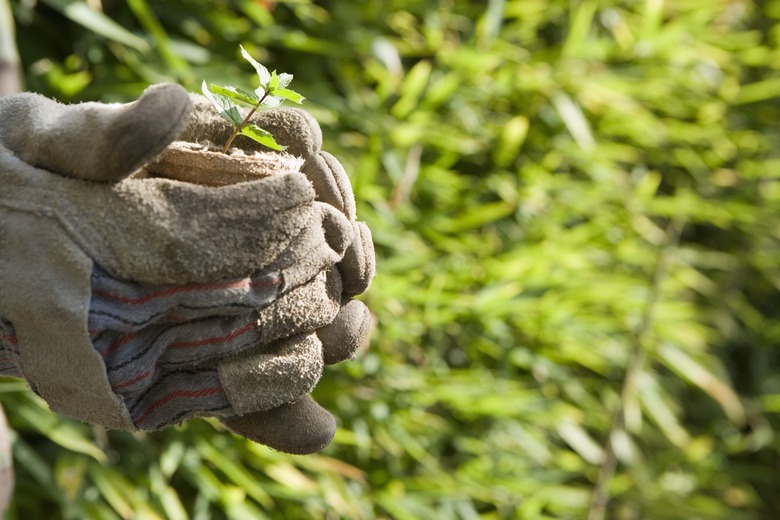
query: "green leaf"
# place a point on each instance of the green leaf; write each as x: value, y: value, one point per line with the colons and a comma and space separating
x: 236, y: 473
x: 284, y: 79
x: 33, y: 463
x: 274, y: 83
x: 235, y: 94
x: 262, y: 72
x: 288, y: 94
x: 580, y: 441
x: 575, y: 120
x: 115, y: 489
x: 226, y: 107
x: 708, y: 378
x: 263, y: 137
x: 98, y: 23
x: 67, y: 434
x: 659, y: 407
x: 271, y: 101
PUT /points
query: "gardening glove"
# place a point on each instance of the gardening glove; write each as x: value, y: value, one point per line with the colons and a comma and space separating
x: 301, y: 133
x: 188, y: 235
x: 340, y: 336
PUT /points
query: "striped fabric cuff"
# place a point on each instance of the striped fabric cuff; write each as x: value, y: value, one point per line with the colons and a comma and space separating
x: 126, y: 306
x: 161, y: 344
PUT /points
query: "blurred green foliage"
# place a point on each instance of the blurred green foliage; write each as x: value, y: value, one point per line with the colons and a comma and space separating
x: 576, y: 210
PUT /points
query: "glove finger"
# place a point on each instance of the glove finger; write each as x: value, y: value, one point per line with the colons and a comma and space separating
x: 303, y: 310
x: 293, y: 127
x: 278, y: 374
x: 93, y: 141
x: 303, y: 136
x: 297, y: 428
x: 330, y: 182
x: 325, y: 186
x: 346, y: 333
x: 322, y: 244
x: 358, y: 265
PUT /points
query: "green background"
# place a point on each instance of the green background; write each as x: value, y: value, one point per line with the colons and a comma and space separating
x: 576, y: 212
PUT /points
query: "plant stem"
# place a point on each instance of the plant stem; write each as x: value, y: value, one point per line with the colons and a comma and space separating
x: 600, y: 498
x: 243, y: 123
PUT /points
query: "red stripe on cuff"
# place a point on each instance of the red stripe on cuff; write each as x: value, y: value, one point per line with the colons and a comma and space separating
x: 118, y: 343
x: 131, y: 381
x: 221, y: 339
x: 178, y: 393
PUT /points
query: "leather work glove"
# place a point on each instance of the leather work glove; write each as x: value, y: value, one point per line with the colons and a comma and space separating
x: 73, y: 217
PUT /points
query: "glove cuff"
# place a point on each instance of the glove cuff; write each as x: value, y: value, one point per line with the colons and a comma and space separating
x: 63, y: 368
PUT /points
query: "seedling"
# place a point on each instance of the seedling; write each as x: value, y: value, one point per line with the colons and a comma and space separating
x: 270, y: 94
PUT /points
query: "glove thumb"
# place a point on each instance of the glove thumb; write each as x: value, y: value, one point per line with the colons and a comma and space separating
x: 298, y: 428
x: 93, y: 141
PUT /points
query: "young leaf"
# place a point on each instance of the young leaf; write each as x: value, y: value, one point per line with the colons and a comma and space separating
x: 274, y: 83
x: 271, y: 102
x: 262, y: 72
x: 284, y: 79
x: 263, y: 137
x: 235, y: 94
x: 226, y: 107
x: 290, y: 95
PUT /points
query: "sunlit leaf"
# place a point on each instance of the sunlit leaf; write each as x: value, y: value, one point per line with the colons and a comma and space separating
x: 284, y: 80
x: 234, y: 94
x: 114, y: 489
x: 261, y: 136
x: 97, y: 22
x: 580, y: 441
x: 272, y: 101
x: 710, y: 382
x: 659, y: 408
x: 225, y: 106
x: 262, y: 73
x: 66, y: 434
x: 290, y: 95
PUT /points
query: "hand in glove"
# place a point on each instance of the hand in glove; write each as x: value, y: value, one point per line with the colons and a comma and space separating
x: 60, y: 232
x: 302, y: 135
